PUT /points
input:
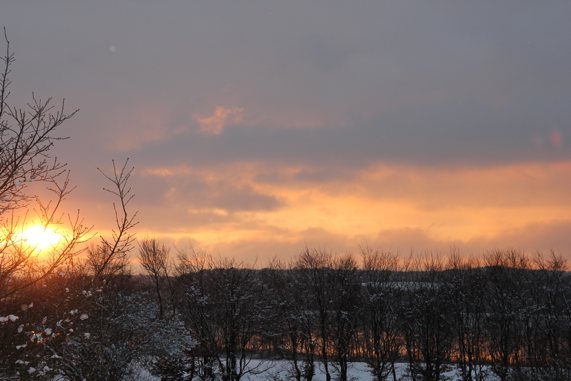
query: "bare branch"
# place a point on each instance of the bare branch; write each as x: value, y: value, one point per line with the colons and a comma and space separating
x: 17, y: 258
x: 122, y: 237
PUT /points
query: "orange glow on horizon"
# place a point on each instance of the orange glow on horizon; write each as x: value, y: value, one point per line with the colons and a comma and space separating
x: 395, y: 207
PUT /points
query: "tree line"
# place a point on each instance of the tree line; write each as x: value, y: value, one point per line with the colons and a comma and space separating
x: 506, y: 316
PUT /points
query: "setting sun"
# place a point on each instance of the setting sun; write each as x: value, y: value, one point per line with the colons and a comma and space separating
x: 40, y: 237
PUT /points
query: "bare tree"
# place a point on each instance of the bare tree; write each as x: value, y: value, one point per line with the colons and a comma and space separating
x: 316, y: 266
x: 382, y: 341
x: 469, y: 313
x: 226, y: 317
x: 27, y: 136
x: 426, y: 322
x: 291, y: 302
x: 21, y: 264
x: 553, y: 293
x: 153, y: 256
x: 106, y: 259
x: 506, y: 271
x: 344, y: 306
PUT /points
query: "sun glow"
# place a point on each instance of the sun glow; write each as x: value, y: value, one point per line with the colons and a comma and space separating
x: 40, y: 238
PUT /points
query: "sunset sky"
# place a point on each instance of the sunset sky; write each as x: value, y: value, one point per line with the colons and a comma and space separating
x: 258, y: 128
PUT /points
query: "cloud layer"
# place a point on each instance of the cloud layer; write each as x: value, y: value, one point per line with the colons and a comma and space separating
x: 258, y: 129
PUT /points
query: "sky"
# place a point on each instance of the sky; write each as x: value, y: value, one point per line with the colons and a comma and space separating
x: 260, y: 128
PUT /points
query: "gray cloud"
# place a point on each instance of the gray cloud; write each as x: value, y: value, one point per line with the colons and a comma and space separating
x: 414, y: 82
x: 329, y: 86
x: 193, y: 190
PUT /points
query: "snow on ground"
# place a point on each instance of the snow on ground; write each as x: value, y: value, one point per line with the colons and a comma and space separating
x: 280, y: 370
x: 358, y: 371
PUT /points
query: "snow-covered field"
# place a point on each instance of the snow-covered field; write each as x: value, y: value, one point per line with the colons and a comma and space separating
x: 280, y: 370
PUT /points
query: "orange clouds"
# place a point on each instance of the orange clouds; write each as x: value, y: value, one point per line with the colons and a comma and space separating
x: 151, y: 123
x: 509, y: 186
x: 396, y: 207
x: 216, y: 122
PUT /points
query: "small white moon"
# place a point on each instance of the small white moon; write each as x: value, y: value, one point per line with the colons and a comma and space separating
x: 112, y: 48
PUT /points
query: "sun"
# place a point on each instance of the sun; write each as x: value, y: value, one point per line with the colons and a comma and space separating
x: 39, y: 237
